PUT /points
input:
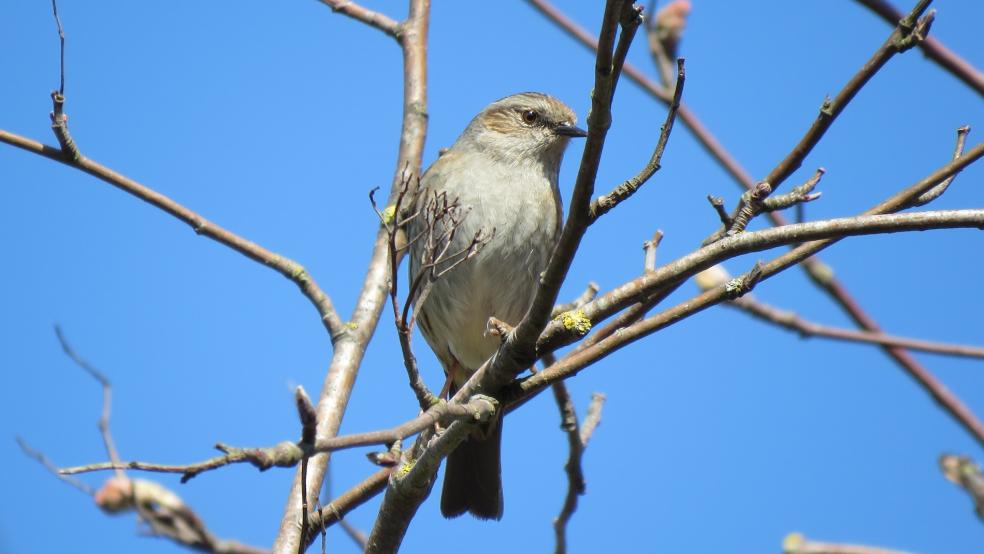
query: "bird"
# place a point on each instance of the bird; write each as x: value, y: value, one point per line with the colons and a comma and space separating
x: 503, y: 173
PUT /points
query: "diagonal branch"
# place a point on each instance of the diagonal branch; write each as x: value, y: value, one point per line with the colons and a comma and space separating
x: 371, y: 18
x: 909, y: 32
x: 716, y: 276
x: 819, y: 273
x: 286, y: 267
x: 933, y: 48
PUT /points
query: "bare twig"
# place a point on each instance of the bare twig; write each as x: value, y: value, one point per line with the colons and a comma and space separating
x: 806, y: 329
x: 52, y: 467
x: 404, y: 324
x: 161, y: 509
x: 758, y: 200
x: 938, y: 190
x: 289, y: 454
x: 371, y: 18
x: 909, y: 32
x: 107, y: 391
x: 59, y: 120
x: 718, y: 204
x: 61, y: 44
x: 603, y: 204
x: 649, y: 247
x: 286, y: 267
x: 577, y: 441
x: 716, y: 276
x: 933, y: 48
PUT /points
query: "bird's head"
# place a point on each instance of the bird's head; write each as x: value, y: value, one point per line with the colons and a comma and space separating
x: 525, y: 127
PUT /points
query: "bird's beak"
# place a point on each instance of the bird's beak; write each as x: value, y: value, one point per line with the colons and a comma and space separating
x: 570, y: 130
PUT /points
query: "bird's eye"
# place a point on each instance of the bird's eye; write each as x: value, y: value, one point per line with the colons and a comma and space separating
x: 530, y: 117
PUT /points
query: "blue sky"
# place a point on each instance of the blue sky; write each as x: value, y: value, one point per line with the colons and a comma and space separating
x: 275, y: 119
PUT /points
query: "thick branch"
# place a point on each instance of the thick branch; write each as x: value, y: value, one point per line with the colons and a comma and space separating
x: 348, y: 354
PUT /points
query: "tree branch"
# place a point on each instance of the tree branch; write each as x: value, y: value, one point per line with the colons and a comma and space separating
x: 818, y: 272
x: 348, y: 353
x: 577, y: 441
x: 604, y: 204
x: 933, y: 48
x: 371, y: 18
x: 286, y: 267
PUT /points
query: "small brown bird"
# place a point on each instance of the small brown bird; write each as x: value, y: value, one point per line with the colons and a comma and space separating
x: 503, y: 171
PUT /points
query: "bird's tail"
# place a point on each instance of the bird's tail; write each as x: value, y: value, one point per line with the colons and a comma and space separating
x: 473, y: 476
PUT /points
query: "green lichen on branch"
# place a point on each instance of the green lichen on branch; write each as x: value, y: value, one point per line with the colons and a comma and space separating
x: 575, y: 320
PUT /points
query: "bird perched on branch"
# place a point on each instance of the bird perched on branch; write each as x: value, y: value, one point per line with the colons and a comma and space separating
x: 502, y: 173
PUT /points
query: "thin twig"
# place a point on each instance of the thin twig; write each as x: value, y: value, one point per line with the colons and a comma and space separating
x: 649, y: 248
x: 61, y: 43
x: 107, y: 391
x: 577, y: 441
x: 757, y: 201
x: 938, y: 190
x: 371, y: 18
x: 933, y: 48
x: 286, y: 267
x: 604, y: 204
x: 52, y: 467
x: 806, y: 329
x: 908, y: 33
x: 289, y: 454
